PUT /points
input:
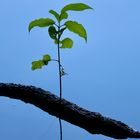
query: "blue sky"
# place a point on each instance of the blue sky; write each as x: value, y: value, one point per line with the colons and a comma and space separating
x: 103, y: 75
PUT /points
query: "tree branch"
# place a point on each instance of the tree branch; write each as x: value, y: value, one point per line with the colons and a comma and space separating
x: 93, y: 122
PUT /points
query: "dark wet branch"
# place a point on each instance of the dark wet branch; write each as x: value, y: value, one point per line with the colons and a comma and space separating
x: 93, y: 122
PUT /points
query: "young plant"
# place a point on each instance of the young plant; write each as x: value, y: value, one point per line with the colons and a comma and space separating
x: 55, y: 31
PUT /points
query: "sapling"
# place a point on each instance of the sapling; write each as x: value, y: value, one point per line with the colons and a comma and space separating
x: 55, y: 31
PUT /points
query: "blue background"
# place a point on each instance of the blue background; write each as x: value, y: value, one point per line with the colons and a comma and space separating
x: 103, y: 75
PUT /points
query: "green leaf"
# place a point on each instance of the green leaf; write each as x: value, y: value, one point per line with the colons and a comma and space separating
x: 37, y: 64
x: 77, y: 28
x: 61, y: 31
x: 46, y: 59
x: 56, y: 41
x: 40, y: 63
x: 63, y: 15
x: 67, y: 43
x: 52, y: 32
x: 55, y: 14
x: 75, y: 7
x: 42, y: 22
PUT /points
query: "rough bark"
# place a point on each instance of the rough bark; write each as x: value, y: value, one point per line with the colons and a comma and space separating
x: 92, y: 122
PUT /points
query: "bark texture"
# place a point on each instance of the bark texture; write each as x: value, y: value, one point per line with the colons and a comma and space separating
x: 92, y: 122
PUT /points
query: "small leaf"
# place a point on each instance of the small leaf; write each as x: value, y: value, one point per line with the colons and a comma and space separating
x: 67, y: 43
x: 55, y: 14
x: 46, y: 59
x: 56, y: 41
x: 37, y: 64
x: 77, y: 28
x: 75, y: 7
x: 63, y: 15
x: 61, y: 31
x: 42, y: 22
x: 52, y: 32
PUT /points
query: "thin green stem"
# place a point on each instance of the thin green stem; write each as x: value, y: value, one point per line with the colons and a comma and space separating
x: 60, y: 77
x: 62, y: 25
x: 54, y: 60
x: 59, y: 63
x: 56, y: 25
x: 61, y: 132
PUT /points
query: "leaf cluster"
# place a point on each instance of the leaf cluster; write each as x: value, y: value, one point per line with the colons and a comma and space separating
x: 40, y: 63
x: 55, y: 29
